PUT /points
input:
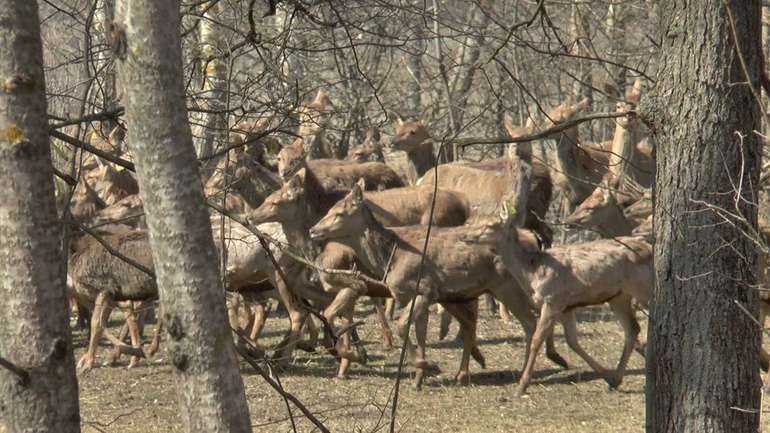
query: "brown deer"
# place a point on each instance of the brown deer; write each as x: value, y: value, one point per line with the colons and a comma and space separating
x: 244, y: 180
x: 492, y: 180
x: 455, y: 272
x: 414, y: 140
x: 605, y: 211
x: 563, y: 278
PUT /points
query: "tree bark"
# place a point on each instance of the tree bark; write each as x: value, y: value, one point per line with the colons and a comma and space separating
x: 208, y: 382
x: 702, y: 354
x: 34, y: 324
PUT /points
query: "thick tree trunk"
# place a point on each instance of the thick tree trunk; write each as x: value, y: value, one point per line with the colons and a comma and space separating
x: 34, y: 323
x: 702, y: 354
x: 209, y: 385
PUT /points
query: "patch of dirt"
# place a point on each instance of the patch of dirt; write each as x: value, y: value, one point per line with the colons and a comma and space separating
x: 143, y: 399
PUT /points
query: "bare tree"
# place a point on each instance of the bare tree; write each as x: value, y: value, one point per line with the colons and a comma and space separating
x: 209, y: 385
x: 38, y: 388
x: 702, y: 354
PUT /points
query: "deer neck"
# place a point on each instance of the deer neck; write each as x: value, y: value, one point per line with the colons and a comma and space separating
x: 619, y: 225
x: 373, y: 247
x: 421, y: 160
x: 523, y: 265
x: 297, y: 229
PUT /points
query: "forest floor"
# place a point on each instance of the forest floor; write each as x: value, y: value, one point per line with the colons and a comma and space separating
x: 142, y: 399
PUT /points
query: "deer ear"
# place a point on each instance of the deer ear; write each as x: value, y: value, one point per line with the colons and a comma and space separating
x: 301, y: 175
x: 358, y: 192
x: 508, y: 212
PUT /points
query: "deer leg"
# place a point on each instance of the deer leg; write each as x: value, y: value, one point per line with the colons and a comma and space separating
x: 153, y: 349
x: 519, y: 304
x: 311, y: 329
x: 505, y: 316
x: 467, y: 316
x: 624, y: 312
x: 297, y: 316
x: 382, y: 320
x: 390, y: 308
x: 445, y: 319
x: 570, y: 333
x: 421, y: 332
x: 489, y: 301
x: 114, y: 355
x: 260, y: 316
x: 99, y: 316
x: 136, y: 339
x: 542, y: 330
x: 343, y: 302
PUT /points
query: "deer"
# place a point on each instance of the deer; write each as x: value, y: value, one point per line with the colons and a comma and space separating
x: 302, y: 201
x: 244, y: 180
x: 96, y: 276
x: 414, y: 139
x: 369, y: 150
x: 455, y: 273
x: 336, y: 174
x: 609, y: 212
x: 564, y: 278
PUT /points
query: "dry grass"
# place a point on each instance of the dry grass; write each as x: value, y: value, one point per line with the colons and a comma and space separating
x: 574, y: 400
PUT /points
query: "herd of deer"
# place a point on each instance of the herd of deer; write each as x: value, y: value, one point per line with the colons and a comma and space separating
x: 367, y: 215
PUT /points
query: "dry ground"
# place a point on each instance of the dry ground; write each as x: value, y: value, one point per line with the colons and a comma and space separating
x: 576, y: 400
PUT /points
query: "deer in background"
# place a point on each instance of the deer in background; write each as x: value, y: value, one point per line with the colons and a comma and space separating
x: 563, y: 278
x: 455, y: 272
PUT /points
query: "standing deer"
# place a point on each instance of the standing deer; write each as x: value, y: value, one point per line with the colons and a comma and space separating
x: 455, y: 271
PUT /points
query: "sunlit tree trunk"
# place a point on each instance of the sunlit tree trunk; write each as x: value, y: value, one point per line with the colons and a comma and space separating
x: 103, y: 17
x: 212, y: 132
x: 34, y: 322
x: 202, y: 355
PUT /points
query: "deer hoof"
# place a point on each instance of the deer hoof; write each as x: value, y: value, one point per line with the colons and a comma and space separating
x: 85, y: 364
x: 418, y: 379
x: 462, y: 379
x: 614, y: 379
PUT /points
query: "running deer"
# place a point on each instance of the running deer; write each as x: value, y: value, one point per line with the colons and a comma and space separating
x: 563, y: 278
x: 301, y: 203
x: 455, y: 272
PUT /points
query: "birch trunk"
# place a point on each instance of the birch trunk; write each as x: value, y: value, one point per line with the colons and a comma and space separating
x: 212, y: 133
x: 209, y: 386
x: 34, y: 324
x: 702, y: 353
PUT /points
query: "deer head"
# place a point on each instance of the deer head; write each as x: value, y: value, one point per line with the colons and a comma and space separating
x: 284, y: 204
x: 289, y: 157
x: 595, y: 210
x: 346, y: 218
x: 410, y: 136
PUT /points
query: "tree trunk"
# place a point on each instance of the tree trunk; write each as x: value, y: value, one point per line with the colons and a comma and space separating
x: 34, y: 329
x: 212, y: 133
x: 702, y: 354
x: 202, y: 354
x: 103, y: 17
